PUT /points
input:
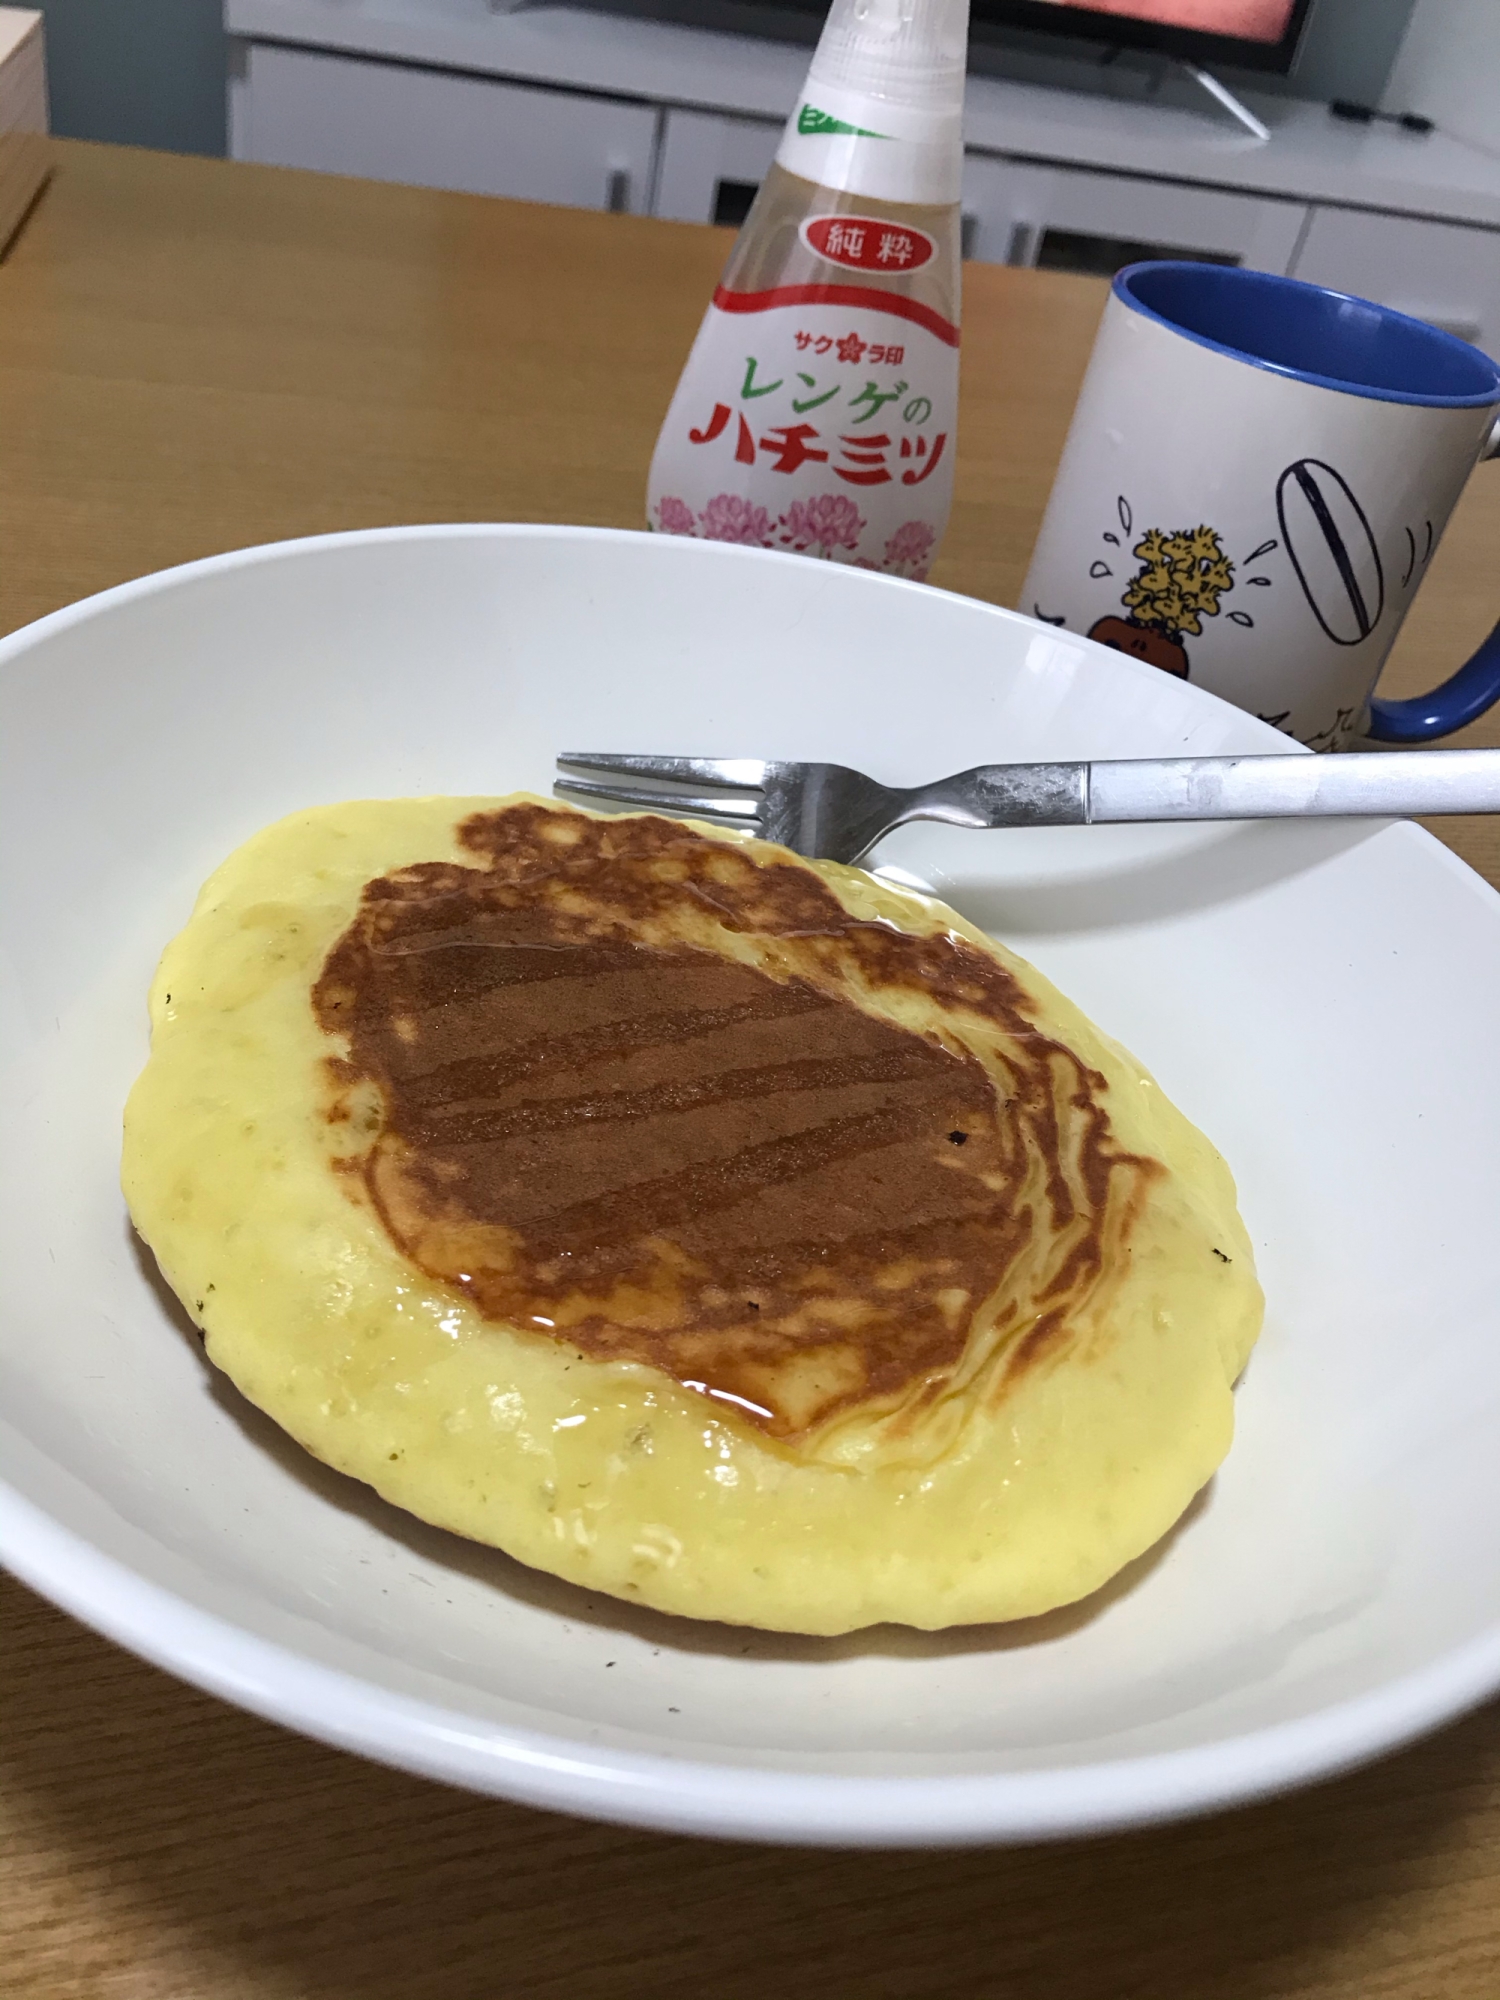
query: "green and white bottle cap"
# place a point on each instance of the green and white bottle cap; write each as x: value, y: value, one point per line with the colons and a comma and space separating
x: 881, y: 112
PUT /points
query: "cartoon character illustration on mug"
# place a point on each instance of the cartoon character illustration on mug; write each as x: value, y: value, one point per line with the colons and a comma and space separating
x: 1183, y: 574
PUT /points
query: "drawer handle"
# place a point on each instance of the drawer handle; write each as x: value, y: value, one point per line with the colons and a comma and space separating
x: 1025, y: 242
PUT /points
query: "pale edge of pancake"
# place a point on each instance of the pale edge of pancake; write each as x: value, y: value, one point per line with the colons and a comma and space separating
x: 613, y: 1475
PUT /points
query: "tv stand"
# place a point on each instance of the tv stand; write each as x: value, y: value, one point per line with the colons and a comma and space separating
x: 553, y: 103
x: 1222, y: 94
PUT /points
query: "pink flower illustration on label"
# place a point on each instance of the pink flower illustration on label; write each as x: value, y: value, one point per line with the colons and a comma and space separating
x: 911, y: 547
x: 827, y: 521
x: 675, y: 516
x: 729, y: 518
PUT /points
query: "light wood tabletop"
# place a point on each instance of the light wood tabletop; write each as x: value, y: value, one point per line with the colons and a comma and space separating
x: 195, y: 356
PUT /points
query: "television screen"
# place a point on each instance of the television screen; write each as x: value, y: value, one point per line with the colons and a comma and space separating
x: 1257, y: 34
x: 1252, y: 20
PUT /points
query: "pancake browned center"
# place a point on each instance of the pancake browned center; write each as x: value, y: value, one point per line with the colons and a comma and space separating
x: 596, y: 1126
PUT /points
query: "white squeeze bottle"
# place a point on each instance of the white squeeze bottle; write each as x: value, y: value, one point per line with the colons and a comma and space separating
x: 818, y: 409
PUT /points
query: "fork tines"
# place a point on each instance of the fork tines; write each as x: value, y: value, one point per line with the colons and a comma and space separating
x: 665, y: 781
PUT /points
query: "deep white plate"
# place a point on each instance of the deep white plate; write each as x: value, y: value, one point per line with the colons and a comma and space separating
x: 1319, y: 997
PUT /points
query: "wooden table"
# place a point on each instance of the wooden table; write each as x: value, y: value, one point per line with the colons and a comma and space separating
x: 194, y: 356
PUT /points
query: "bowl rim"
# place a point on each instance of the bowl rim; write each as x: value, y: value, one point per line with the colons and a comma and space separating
x: 685, y: 1794
x: 680, y: 1792
x: 14, y: 645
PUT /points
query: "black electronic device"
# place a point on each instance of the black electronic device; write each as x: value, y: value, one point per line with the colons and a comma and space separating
x: 1366, y: 114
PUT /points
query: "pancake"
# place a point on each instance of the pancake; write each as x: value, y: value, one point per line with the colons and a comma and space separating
x: 734, y: 1234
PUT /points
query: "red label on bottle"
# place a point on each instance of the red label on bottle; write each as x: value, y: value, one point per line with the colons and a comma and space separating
x: 860, y: 243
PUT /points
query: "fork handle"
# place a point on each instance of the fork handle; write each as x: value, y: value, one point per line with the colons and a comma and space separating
x: 1348, y: 783
x: 1378, y: 783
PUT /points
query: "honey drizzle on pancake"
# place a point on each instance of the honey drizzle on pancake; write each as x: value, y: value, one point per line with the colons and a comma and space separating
x: 597, y: 1127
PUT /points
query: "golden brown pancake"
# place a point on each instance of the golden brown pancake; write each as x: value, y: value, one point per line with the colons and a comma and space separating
x: 715, y: 1228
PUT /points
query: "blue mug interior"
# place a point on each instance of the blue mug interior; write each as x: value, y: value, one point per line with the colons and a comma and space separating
x: 1318, y: 336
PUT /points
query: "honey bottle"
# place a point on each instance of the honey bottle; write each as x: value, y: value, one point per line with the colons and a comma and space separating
x: 818, y: 409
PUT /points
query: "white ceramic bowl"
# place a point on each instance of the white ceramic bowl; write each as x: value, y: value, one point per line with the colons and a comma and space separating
x: 1320, y: 998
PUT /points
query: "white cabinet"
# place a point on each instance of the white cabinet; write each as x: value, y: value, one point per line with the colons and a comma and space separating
x: 1438, y: 271
x: 712, y: 165
x: 395, y: 122
x: 1015, y: 211
x: 597, y: 110
x: 1025, y: 213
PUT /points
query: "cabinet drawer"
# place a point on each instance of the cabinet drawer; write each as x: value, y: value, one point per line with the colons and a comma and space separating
x: 1439, y: 271
x: 711, y: 166
x: 395, y: 122
x: 1028, y: 214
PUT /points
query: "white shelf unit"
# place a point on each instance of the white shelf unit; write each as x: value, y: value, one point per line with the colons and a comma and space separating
x: 1434, y: 270
x: 590, y: 110
x: 1018, y: 205
x: 431, y: 128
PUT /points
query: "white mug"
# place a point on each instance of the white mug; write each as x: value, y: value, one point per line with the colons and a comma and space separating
x: 1257, y: 474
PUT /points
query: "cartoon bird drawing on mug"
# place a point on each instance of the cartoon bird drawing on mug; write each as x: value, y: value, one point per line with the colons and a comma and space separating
x: 1183, y: 575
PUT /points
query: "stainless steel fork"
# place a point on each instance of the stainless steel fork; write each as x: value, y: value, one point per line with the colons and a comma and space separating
x: 830, y: 813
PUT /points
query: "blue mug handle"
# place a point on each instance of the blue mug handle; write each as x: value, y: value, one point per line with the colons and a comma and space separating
x: 1457, y: 702
x: 1473, y: 689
